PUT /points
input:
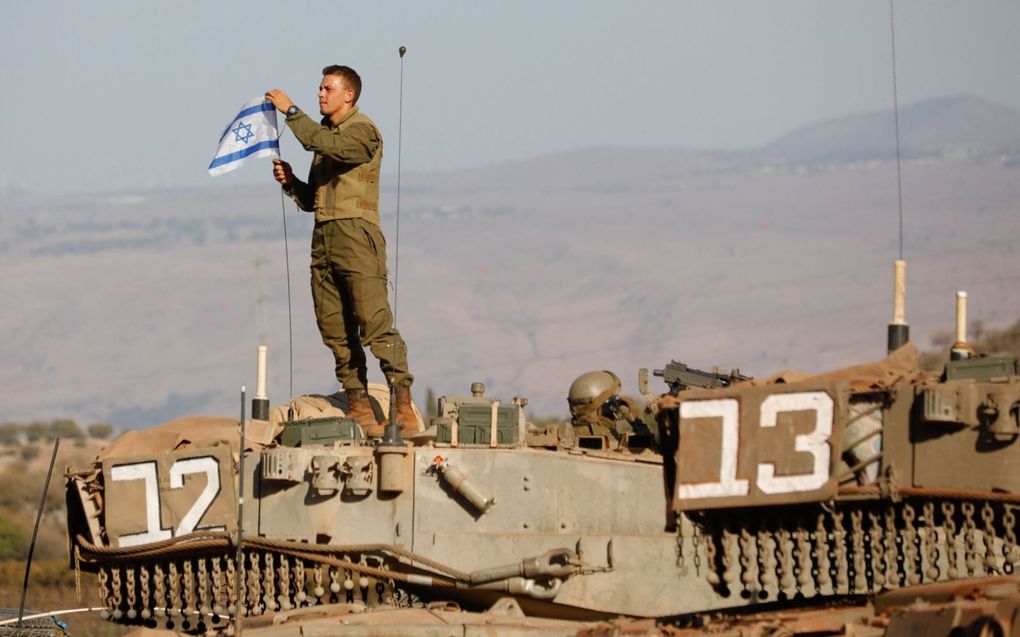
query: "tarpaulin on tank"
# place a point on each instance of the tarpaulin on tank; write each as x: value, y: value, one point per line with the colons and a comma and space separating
x: 334, y: 406
x: 900, y: 366
x: 192, y: 431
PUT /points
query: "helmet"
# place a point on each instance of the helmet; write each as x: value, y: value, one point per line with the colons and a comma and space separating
x: 590, y: 390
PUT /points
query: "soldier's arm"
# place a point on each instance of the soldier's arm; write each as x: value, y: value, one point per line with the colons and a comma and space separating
x: 302, y: 193
x: 354, y: 144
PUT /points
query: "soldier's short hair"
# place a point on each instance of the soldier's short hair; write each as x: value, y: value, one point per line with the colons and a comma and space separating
x: 350, y: 77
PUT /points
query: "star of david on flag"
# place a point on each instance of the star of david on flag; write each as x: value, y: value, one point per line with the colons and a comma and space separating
x: 253, y: 133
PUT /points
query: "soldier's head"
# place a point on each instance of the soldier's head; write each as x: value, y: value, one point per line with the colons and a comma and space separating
x: 339, y: 91
x: 590, y: 391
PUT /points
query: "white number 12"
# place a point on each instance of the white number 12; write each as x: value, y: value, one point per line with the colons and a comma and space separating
x: 146, y: 471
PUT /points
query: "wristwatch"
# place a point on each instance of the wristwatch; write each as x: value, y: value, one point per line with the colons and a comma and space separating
x: 293, y: 110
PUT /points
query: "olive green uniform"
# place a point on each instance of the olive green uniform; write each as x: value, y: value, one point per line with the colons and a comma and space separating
x: 348, y: 248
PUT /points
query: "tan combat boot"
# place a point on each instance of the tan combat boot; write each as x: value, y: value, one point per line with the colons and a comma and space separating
x: 405, y: 412
x: 359, y: 408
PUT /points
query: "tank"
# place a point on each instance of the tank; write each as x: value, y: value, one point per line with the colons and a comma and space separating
x: 869, y: 500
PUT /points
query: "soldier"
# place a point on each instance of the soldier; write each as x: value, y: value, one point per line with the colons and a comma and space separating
x: 598, y: 409
x: 348, y: 249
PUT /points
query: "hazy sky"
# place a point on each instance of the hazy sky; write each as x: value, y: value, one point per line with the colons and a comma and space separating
x: 130, y: 94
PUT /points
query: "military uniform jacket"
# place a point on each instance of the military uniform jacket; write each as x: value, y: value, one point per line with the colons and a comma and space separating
x: 343, y: 181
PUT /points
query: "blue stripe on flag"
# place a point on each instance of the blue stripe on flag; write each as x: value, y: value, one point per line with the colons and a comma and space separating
x: 241, y: 154
x: 264, y: 106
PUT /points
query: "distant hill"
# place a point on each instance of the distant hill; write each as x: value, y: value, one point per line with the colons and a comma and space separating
x: 935, y: 127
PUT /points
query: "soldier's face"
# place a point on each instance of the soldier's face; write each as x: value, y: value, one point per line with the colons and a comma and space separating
x: 333, y: 95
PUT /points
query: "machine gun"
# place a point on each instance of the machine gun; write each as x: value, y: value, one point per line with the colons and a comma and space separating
x: 679, y: 377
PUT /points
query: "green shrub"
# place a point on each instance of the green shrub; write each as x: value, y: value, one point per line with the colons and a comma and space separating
x: 65, y: 428
x: 11, y: 433
x: 13, y: 538
x: 100, y: 430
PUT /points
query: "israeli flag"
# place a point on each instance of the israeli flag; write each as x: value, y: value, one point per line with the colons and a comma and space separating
x: 253, y: 133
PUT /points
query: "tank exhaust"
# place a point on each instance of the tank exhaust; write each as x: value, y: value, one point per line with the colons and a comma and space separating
x: 260, y: 403
x: 961, y: 349
x: 899, y: 331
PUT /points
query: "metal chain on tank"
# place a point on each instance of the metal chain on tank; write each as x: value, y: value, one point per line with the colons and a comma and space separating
x: 363, y: 583
x: 175, y: 590
x: 190, y: 596
x: 730, y: 556
x: 300, y: 582
x: 930, y: 541
x: 283, y: 581
x: 989, y: 536
x: 860, y: 581
x: 334, y: 582
x: 892, y: 537
x: 234, y: 606
x: 103, y: 577
x: 1010, y: 550
x: 767, y: 558
x: 318, y: 590
x: 254, y: 592
x: 205, y: 601
x: 146, y: 592
x: 970, y: 558
x: 132, y: 598
x: 681, y: 561
x: 821, y: 548
x: 748, y: 562
x: 159, y: 601
x: 220, y: 597
x: 115, y: 585
x: 840, y: 553
x: 711, y: 575
x: 787, y: 581
x: 805, y: 578
x: 952, y: 540
x: 910, y: 546
x: 269, y: 582
x: 695, y: 543
x: 878, y: 564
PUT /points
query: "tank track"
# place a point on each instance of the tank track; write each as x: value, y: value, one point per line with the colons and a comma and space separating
x: 852, y: 547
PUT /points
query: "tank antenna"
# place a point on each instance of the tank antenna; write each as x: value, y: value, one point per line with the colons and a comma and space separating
x: 260, y: 404
x: 35, y: 533
x: 400, y: 134
x: 896, y: 120
x: 961, y: 349
x: 899, y: 331
x: 239, y: 565
x: 391, y: 434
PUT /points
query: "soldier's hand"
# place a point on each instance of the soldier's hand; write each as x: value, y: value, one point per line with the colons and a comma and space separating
x: 279, y: 99
x: 282, y: 172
